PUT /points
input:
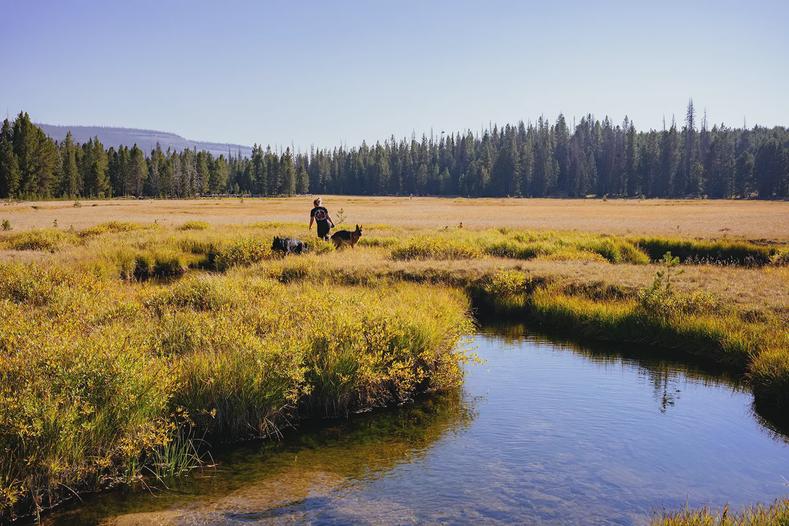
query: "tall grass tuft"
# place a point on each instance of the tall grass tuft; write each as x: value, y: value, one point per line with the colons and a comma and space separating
x: 436, y: 248
x: 48, y: 239
x: 96, y: 374
x: 776, y: 514
x: 722, y: 251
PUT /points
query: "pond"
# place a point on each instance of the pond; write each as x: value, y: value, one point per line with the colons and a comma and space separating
x: 541, y: 432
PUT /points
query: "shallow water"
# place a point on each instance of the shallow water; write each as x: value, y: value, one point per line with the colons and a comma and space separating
x: 542, y: 432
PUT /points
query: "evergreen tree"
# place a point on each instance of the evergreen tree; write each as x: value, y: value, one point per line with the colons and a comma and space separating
x: 769, y: 167
x: 288, y: 173
x: 71, y: 184
x: 743, y: 178
x: 137, y: 171
x: 9, y: 167
x: 219, y: 174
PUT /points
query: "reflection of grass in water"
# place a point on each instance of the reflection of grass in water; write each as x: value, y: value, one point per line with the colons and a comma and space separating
x: 655, y: 362
x: 662, y: 366
x: 318, y: 458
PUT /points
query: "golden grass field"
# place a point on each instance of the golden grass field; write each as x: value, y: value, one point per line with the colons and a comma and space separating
x: 126, y: 325
x: 758, y: 221
x: 752, y: 220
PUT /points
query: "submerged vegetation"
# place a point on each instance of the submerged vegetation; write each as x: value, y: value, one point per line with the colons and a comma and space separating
x: 121, y: 343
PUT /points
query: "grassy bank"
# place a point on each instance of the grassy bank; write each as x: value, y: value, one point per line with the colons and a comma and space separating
x: 98, y: 377
x: 120, y: 341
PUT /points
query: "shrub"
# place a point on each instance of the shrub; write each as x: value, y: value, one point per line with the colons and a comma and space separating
x: 6, y: 225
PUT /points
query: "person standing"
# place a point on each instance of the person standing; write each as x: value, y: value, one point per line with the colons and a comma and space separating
x: 323, y: 220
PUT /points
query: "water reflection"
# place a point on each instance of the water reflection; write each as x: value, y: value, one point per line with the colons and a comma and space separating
x: 663, y: 369
x: 542, y: 432
x: 300, y: 471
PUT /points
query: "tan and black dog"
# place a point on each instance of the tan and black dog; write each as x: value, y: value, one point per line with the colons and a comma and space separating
x: 342, y: 237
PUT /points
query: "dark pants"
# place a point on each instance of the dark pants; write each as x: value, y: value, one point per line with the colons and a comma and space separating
x: 323, y: 229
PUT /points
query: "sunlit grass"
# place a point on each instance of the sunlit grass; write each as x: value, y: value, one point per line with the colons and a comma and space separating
x: 99, y: 376
x: 776, y: 514
x: 118, y: 340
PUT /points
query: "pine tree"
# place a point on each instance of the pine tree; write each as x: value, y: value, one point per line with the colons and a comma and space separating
x: 562, y: 154
x: 769, y: 167
x: 71, y: 184
x: 288, y: 173
x: 9, y: 167
x: 137, y: 172
x: 219, y: 173
x: 743, y: 178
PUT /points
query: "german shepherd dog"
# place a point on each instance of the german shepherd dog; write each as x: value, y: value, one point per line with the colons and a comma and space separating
x: 343, y: 237
x: 288, y: 245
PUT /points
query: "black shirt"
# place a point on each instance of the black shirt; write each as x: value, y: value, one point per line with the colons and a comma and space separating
x: 320, y: 214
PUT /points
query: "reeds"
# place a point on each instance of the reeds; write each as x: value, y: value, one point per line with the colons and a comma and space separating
x: 124, y: 338
x: 101, y: 380
x: 776, y: 514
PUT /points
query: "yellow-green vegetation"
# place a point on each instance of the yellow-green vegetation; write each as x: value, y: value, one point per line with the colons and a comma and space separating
x: 120, y: 341
x: 776, y: 514
x: 194, y: 225
x: 99, y: 377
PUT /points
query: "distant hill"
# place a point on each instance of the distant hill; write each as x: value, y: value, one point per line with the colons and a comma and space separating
x: 145, y: 139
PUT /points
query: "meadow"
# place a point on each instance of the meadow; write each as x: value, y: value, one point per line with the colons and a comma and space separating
x: 131, y: 331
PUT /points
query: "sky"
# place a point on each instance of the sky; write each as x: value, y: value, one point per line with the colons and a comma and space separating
x: 327, y: 73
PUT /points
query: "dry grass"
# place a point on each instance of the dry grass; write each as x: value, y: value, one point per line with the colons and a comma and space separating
x: 574, y: 263
x: 753, y: 220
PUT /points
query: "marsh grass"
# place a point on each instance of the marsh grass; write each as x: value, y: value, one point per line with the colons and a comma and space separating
x: 118, y: 341
x: 97, y: 374
x: 194, y: 225
x: 776, y: 514
x: 710, y: 251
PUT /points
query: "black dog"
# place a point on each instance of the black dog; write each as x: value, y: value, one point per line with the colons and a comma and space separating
x: 288, y: 245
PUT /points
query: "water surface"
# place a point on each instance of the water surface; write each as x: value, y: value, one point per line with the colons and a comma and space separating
x: 542, y: 432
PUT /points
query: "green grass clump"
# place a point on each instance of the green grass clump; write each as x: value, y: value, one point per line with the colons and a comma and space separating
x: 223, y: 255
x: 769, y: 375
x: 615, y: 250
x: 101, y: 380
x: 436, y: 247
x: 511, y: 248
x: 149, y: 265
x: 203, y: 293
x: 112, y: 227
x: 722, y: 251
x: 194, y: 225
x: 776, y: 514
x: 48, y: 239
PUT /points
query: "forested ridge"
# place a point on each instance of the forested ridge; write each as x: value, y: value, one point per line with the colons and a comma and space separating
x: 527, y: 159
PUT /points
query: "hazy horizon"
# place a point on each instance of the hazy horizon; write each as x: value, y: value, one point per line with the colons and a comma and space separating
x: 325, y: 75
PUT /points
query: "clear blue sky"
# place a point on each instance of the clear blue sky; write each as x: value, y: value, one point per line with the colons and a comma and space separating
x: 328, y: 72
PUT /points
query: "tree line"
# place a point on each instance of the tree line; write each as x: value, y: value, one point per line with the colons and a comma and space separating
x: 535, y: 159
